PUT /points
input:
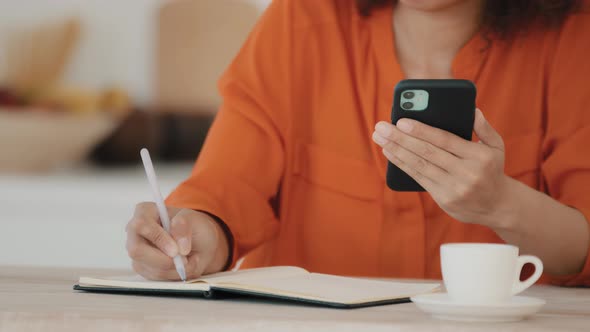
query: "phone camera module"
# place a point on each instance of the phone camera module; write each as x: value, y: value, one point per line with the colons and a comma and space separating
x: 409, y: 95
x: 408, y: 105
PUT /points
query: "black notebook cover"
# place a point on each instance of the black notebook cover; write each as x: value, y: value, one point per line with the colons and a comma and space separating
x: 221, y: 293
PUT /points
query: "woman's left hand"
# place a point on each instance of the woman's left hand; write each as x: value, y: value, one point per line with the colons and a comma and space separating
x: 465, y: 178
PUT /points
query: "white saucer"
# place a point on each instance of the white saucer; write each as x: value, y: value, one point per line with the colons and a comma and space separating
x: 439, y: 305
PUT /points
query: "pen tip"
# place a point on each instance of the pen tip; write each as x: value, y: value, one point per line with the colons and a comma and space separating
x: 180, y: 267
x: 182, y: 274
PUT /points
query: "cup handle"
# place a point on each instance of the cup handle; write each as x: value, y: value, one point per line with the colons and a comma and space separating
x: 520, y: 286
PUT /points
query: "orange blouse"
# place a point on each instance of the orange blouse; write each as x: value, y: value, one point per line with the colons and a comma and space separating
x: 290, y: 167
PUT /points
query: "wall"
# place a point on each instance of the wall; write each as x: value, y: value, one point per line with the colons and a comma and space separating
x: 117, y: 45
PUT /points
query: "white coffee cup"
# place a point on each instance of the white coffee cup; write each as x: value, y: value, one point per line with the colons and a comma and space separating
x: 479, y: 273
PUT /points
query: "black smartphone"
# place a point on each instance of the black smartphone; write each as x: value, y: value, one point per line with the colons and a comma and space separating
x: 445, y: 104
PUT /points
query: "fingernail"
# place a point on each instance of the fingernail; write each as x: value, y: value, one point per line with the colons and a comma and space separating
x: 184, y: 245
x: 171, y: 249
x: 387, y: 154
x: 405, y: 125
x: 383, y: 128
x: 379, y: 139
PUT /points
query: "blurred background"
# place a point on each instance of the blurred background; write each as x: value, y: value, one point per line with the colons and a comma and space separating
x: 84, y: 84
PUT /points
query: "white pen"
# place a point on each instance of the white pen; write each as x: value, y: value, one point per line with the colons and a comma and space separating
x: 153, y: 180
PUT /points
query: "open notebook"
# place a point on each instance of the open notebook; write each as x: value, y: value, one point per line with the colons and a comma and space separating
x: 283, y: 282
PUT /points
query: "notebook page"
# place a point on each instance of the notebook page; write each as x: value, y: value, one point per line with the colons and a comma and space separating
x: 195, y: 284
x: 139, y: 282
x: 250, y: 275
x: 335, y: 288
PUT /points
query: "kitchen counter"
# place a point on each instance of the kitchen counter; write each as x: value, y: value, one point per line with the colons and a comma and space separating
x: 74, y: 217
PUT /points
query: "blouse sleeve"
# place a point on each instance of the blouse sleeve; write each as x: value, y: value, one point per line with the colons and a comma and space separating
x: 566, y: 148
x: 240, y: 167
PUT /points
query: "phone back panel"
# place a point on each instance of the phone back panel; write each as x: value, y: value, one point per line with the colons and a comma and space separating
x: 451, y: 107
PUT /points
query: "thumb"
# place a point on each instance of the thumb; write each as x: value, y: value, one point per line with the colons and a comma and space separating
x: 181, y: 231
x: 486, y: 133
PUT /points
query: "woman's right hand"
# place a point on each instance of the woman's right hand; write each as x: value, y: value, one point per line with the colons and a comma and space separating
x: 194, y: 235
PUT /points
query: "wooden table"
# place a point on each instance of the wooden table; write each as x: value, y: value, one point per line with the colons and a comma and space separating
x: 36, y: 299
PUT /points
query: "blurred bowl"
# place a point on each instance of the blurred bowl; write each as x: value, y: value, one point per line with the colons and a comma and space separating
x: 36, y: 141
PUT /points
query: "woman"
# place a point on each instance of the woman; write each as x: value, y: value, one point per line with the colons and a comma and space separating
x: 293, y: 171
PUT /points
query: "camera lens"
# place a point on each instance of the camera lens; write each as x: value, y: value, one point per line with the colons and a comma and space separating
x: 409, y: 95
x: 407, y: 105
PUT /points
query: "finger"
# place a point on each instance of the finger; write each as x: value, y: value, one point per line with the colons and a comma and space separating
x: 486, y: 133
x: 143, y: 270
x: 181, y: 232
x: 154, y: 233
x: 149, y: 211
x: 425, y: 150
x: 194, y: 266
x: 152, y: 273
x: 417, y: 163
x: 440, y: 138
x: 140, y: 250
x: 199, y: 265
x: 422, y: 180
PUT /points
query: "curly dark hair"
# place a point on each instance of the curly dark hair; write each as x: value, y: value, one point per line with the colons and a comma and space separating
x: 506, y: 17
